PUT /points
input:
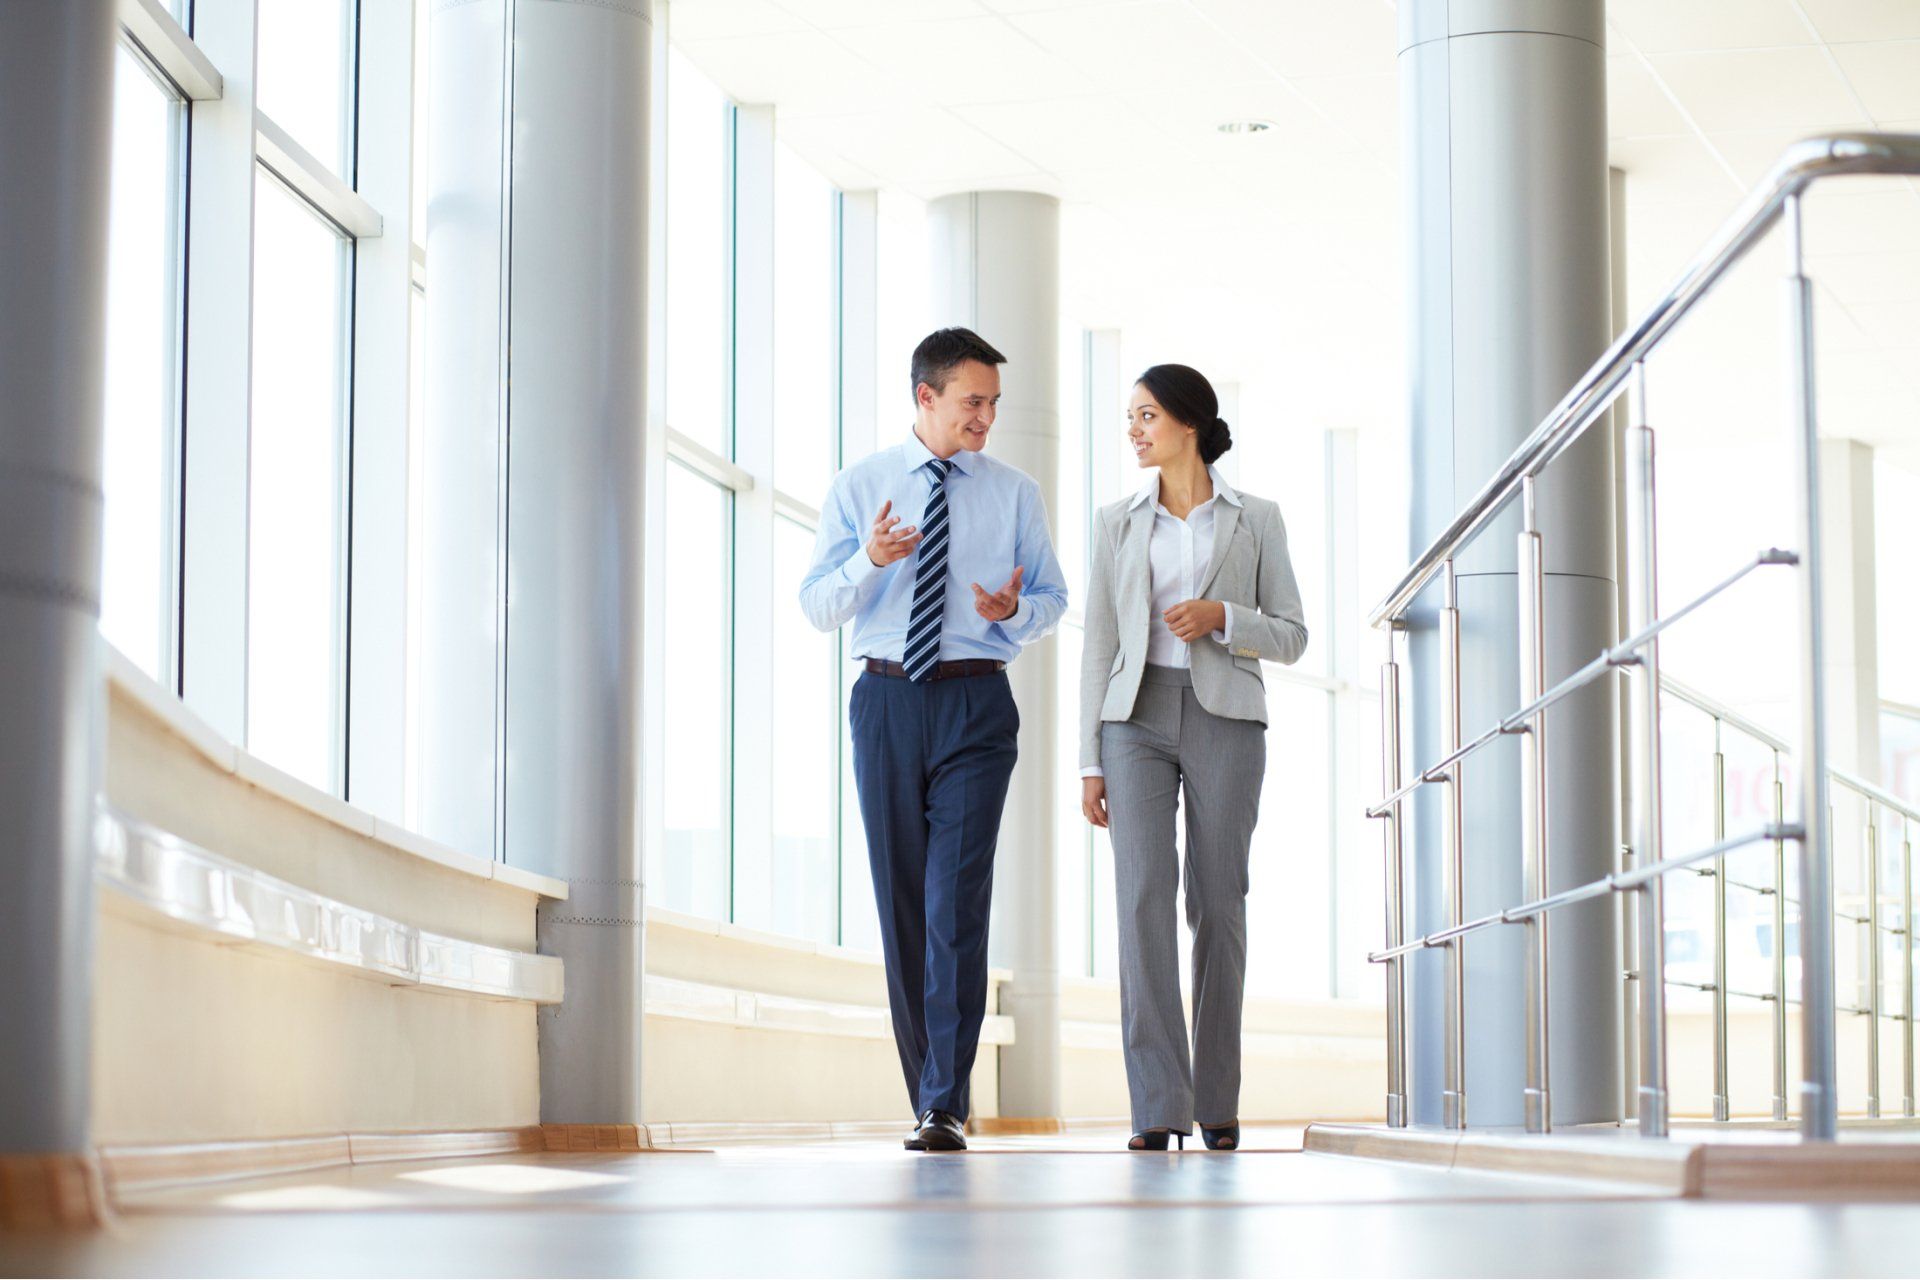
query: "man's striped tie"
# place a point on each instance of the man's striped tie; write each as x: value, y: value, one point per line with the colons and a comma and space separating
x: 929, y: 580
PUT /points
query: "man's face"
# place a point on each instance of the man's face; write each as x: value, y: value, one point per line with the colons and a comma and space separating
x: 960, y: 416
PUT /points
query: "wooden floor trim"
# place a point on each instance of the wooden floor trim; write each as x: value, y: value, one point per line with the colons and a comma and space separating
x: 54, y: 1191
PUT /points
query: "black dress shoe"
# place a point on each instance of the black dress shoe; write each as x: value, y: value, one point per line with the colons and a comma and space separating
x: 938, y: 1131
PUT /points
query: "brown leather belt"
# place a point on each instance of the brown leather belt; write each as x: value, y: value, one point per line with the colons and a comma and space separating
x: 941, y: 670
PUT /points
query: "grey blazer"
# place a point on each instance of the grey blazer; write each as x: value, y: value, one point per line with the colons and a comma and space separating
x: 1250, y: 573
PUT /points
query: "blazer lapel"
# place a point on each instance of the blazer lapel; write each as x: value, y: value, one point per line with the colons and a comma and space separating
x: 1226, y: 519
x: 1139, y: 536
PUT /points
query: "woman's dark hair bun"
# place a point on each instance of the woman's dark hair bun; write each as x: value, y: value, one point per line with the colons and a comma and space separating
x: 1216, y: 441
x: 1186, y: 394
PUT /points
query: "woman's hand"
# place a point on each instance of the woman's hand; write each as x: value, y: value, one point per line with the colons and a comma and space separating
x: 1192, y: 619
x: 1093, y: 800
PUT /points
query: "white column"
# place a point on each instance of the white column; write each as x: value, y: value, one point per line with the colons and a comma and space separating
x: 1851, y: 621
x: 1503, y: 104
x: 995, y: 258
x: 537, y: 411
x: 56, y: 73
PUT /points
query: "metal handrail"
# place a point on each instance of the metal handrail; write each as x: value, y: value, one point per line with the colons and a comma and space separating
x: 1722, y: 712
x: 1879, y: 795
x: 1624, y: 654
x: 1876, y: 800
x: 1802, y: 164
x: 1623, y: 368
x: 1616, y: 882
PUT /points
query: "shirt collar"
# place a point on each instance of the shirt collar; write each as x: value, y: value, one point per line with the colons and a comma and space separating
x: 1151, y: 490
x: 918, y: 455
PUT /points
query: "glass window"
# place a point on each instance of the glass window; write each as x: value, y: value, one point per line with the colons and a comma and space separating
x: 798, y: 895
x: 902, y: 309
x: 422, y: 63
x: 143, y: 360
x: 695, y: 870
x: 699, y: 263
x: 296, y: 476
x: 306, y: 64
x: 416, y: 545
x: 804, y: 327
x: 859, y: 913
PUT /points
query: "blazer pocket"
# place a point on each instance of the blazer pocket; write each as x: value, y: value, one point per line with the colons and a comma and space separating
x: 1251, y: 666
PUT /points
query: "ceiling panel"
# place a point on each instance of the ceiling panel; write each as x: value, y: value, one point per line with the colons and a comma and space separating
x: 1845, y: 20
x: 801, y: 72
x: 1866, y: 278
x: 1886, y: 76
x: 1070, y: 134
x: 1753, y: 153
x: 1310, y: 37
x: 834, y: 14
x: 923, y: 145
x: 1677, y: 169
x: 1367, y: 105
x: 969, y: 60
x: 1637, y: 104
x: 716, y: 19
x: 1843, y: 218
x: 1667, y: 26
x: 1156, y: 42
x: 1759, y: 88
x: 1192, y: 119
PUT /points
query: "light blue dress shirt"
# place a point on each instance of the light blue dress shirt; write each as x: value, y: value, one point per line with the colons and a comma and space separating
x: 998, y: 521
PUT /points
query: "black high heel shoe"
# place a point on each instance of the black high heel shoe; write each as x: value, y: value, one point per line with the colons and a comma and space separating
x: 1155, y: 1140
x: 1224, y: 1137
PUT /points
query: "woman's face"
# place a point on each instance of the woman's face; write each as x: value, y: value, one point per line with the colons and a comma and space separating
x: 1158, y: 438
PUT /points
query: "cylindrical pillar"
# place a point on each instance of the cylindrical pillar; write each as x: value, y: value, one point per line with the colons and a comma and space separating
x: 996, y: 270
x: 546, y: 487
x: 56, y: 74
x: 1504, y: 125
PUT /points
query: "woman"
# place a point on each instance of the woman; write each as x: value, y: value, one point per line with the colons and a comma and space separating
x: 1192, y: 589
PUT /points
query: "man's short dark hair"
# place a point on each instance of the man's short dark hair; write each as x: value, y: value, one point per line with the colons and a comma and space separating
x: 945, y: 350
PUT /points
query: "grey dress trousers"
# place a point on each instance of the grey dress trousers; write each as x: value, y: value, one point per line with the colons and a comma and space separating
x: 1172, y: 751
x: 1190, y: 743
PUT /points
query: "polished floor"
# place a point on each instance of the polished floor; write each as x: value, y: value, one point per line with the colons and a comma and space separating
x: 1066, y: 1205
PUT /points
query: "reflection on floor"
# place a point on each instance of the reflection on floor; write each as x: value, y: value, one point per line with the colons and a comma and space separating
x: 1071, y: 1204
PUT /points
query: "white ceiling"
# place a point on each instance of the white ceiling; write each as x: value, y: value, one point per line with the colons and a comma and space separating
x: 1276, y: 256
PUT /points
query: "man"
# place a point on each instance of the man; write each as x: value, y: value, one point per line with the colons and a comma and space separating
x: 907, y: 537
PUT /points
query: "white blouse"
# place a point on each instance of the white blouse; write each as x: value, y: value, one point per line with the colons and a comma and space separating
x: 1178, y: 555
x: 1177, y: 560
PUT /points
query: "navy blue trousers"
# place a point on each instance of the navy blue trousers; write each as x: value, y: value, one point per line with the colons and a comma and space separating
x: 932, y: 762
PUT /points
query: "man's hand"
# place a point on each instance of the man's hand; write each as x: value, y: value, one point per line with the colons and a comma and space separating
x: 1192, y: 619
x: 1093, y: 800
x: 998, y: 606
x: 889, y: 543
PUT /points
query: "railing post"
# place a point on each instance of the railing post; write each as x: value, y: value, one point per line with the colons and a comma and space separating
x: 1396, y: 972
x: 1721, y: 1107
x: 1906, y: 969
x: 1873, y: 961
x: 1819, y: 1119
x: 1642, y: 610
x: 1533, y: 808
x: 1454, y: 1097
x: 1779, y: 947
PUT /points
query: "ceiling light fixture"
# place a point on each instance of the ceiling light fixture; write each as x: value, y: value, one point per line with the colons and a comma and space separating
x: 1246, y: 126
